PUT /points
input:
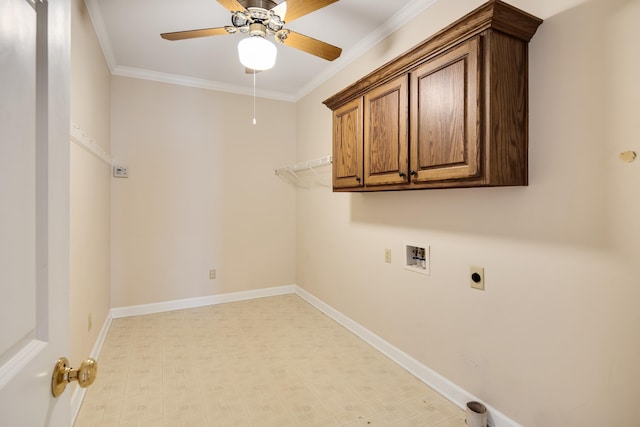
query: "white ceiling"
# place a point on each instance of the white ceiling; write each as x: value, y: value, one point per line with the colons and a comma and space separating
x: 129, y: 33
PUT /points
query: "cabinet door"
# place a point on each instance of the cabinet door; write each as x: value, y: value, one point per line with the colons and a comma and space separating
x: 347, y: 145
x: 445, y: 115
x: 386, y: 139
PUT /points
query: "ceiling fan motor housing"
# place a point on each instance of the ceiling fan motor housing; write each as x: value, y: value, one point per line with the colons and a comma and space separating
x: 262, y: 4
x: 256, y: 20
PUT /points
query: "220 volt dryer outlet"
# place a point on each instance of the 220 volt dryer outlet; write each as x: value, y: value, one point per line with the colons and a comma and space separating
x: 477, y: 277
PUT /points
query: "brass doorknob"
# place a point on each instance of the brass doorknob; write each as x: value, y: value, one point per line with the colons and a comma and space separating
x: 63, y: 374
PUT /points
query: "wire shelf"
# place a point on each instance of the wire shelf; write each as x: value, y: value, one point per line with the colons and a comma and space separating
x: 307, y: 174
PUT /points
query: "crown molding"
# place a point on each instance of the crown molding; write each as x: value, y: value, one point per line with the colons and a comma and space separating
x: 392, y: 24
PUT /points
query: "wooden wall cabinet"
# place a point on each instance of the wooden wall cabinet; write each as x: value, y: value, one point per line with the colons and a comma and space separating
x: 386, y: 134
x: 451, y: 112
x: 445, y: 113
x: 347, y: 145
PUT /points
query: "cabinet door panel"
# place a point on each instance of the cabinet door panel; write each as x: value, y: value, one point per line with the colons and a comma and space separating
x: 386, y: 141
x: 445, y: 102
x: 347, y: 145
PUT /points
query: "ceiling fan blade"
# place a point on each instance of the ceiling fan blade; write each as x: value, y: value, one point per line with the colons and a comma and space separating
x: 191, y: 34
x: 281, y: 10
x: 294, y: 9
x: 232, y: 5
x: 312, y: 46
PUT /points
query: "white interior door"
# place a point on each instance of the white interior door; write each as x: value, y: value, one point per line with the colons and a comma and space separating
x: 34, y: 209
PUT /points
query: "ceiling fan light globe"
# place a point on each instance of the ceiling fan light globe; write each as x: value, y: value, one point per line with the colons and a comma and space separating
x: 257, y: 53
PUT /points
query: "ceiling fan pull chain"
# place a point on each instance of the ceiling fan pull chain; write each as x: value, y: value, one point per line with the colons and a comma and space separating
x: 254, y: 97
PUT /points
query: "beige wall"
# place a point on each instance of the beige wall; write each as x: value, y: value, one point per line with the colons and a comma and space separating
x: 553, y: 341
x: 90, y: 211
x: 201, y: 193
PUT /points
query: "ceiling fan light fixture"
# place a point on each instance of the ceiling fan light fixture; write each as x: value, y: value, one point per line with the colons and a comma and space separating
x: 257, y: 53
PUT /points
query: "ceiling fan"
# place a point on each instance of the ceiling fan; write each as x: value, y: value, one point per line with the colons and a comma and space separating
x: 260, y: 18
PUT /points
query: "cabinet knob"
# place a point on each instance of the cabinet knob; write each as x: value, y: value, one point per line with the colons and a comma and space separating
x: 413, y: 173
x: 358, y: 178
x: 402, y: 174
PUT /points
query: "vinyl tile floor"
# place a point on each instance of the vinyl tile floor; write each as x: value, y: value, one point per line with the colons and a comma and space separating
x: 269, y: 362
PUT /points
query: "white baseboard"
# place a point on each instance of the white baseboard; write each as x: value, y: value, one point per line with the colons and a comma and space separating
x: 139, y: 310
x: 78, y: 394
x: 446, y: 388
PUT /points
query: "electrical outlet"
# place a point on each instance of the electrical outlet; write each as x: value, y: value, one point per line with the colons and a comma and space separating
x: 387, y: 256
x: 212, y: 274
x: 477, y: 277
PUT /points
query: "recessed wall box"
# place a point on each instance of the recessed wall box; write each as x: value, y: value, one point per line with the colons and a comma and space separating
x: 417, y: 258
